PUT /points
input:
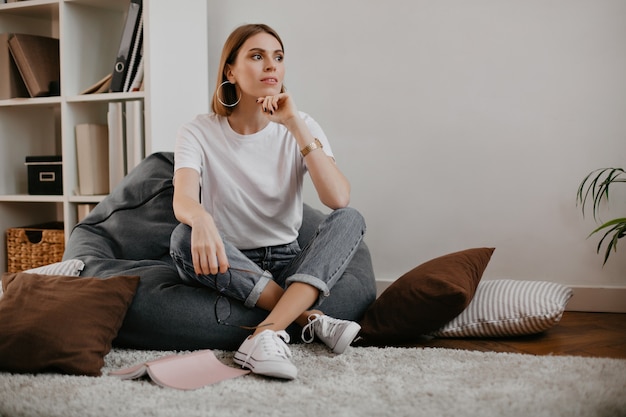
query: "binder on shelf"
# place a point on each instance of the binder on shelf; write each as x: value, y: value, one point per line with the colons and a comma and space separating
x: 117, y: 164
x: 135, y: 56
x: 92, y: 154
x: 11, y: 83
x: 129, y: 35
x: 37, y: 59
x: 137, y: 82
x: 134, y: 134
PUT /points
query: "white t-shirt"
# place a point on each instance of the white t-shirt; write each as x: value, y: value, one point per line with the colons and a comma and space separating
x: 250, y: 184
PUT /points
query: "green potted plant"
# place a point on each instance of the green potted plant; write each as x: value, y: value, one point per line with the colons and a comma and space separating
x: 593, y: 190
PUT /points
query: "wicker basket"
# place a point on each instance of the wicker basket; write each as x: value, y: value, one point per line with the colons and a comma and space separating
x: 34, y: 246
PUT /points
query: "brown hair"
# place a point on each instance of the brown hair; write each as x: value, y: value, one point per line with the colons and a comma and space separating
x: 230, y: 50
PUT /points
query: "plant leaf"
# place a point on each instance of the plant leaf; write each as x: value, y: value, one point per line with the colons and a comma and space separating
x: 617, y: 229
x: 595, y: 187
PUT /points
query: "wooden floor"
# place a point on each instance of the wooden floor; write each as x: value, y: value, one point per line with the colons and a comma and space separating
x: 577, y: 334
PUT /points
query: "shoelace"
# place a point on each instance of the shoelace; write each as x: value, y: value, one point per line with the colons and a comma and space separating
x: 271, y: 342
x: 328, y: 327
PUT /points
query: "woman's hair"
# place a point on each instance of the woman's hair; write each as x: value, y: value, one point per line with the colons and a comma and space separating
x: 228, y: 92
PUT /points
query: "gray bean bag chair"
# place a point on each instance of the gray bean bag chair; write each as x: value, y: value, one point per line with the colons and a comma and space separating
x: 128, y: 233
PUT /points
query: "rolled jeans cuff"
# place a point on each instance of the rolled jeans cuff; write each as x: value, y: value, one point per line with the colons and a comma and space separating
x: 312, y: 281
x: 258, y: 288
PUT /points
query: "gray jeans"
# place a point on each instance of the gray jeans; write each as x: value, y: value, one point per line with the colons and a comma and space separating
x: 320, y: 263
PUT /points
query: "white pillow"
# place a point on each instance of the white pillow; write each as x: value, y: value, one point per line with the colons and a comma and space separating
x: 509, y: 308
x: 71, y: 267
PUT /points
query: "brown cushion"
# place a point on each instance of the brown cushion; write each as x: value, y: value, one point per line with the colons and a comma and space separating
x: 61, y: 323
x: 425, y: 298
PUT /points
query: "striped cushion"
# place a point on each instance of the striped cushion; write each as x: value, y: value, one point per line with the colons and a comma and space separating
x: 509, y: 308
x: 71, y: 267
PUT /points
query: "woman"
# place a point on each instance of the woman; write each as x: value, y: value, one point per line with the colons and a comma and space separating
x: 237, y: 193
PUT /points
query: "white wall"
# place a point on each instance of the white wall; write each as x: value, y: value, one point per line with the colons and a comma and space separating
x: 462, y: 123
x: 177, y: 72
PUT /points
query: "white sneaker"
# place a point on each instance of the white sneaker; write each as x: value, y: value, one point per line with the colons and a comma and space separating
x: 267, y: 354
x: 335, y: 333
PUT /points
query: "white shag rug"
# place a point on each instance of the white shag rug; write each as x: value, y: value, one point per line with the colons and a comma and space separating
x: 361, y: 382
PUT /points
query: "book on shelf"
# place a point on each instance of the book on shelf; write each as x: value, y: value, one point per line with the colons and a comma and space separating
x: 92, y: 154
x: 117, y: 147
x: 101, y: 86
x: 83, y: 210
x: 11, y: 83
x: 126, y: 138
x: 130, y: 37
x: 185, y: 371
x: 134, y: 133
x: 37, y: 59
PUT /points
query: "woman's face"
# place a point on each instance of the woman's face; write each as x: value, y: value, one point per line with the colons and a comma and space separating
x: 259, y: 69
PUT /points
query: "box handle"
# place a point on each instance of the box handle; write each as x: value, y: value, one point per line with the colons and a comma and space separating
x: 34, y: 236
x: 47, y: 176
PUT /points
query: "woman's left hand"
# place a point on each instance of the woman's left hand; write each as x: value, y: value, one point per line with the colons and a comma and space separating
x: 279, y: 108
x: 332, y: 186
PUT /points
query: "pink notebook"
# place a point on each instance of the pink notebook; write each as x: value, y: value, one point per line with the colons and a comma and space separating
x: 187, y: 371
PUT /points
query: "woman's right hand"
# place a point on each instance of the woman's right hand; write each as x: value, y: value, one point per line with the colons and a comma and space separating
x: 207, y: 247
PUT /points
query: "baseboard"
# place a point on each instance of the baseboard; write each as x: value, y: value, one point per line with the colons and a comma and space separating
x: 590, y: 299
x: 381, y: 285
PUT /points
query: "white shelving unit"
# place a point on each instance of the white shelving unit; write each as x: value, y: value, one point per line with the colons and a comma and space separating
x: 89, y: 32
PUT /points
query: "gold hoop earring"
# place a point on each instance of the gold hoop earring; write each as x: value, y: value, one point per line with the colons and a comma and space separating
x: 217, y: 94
